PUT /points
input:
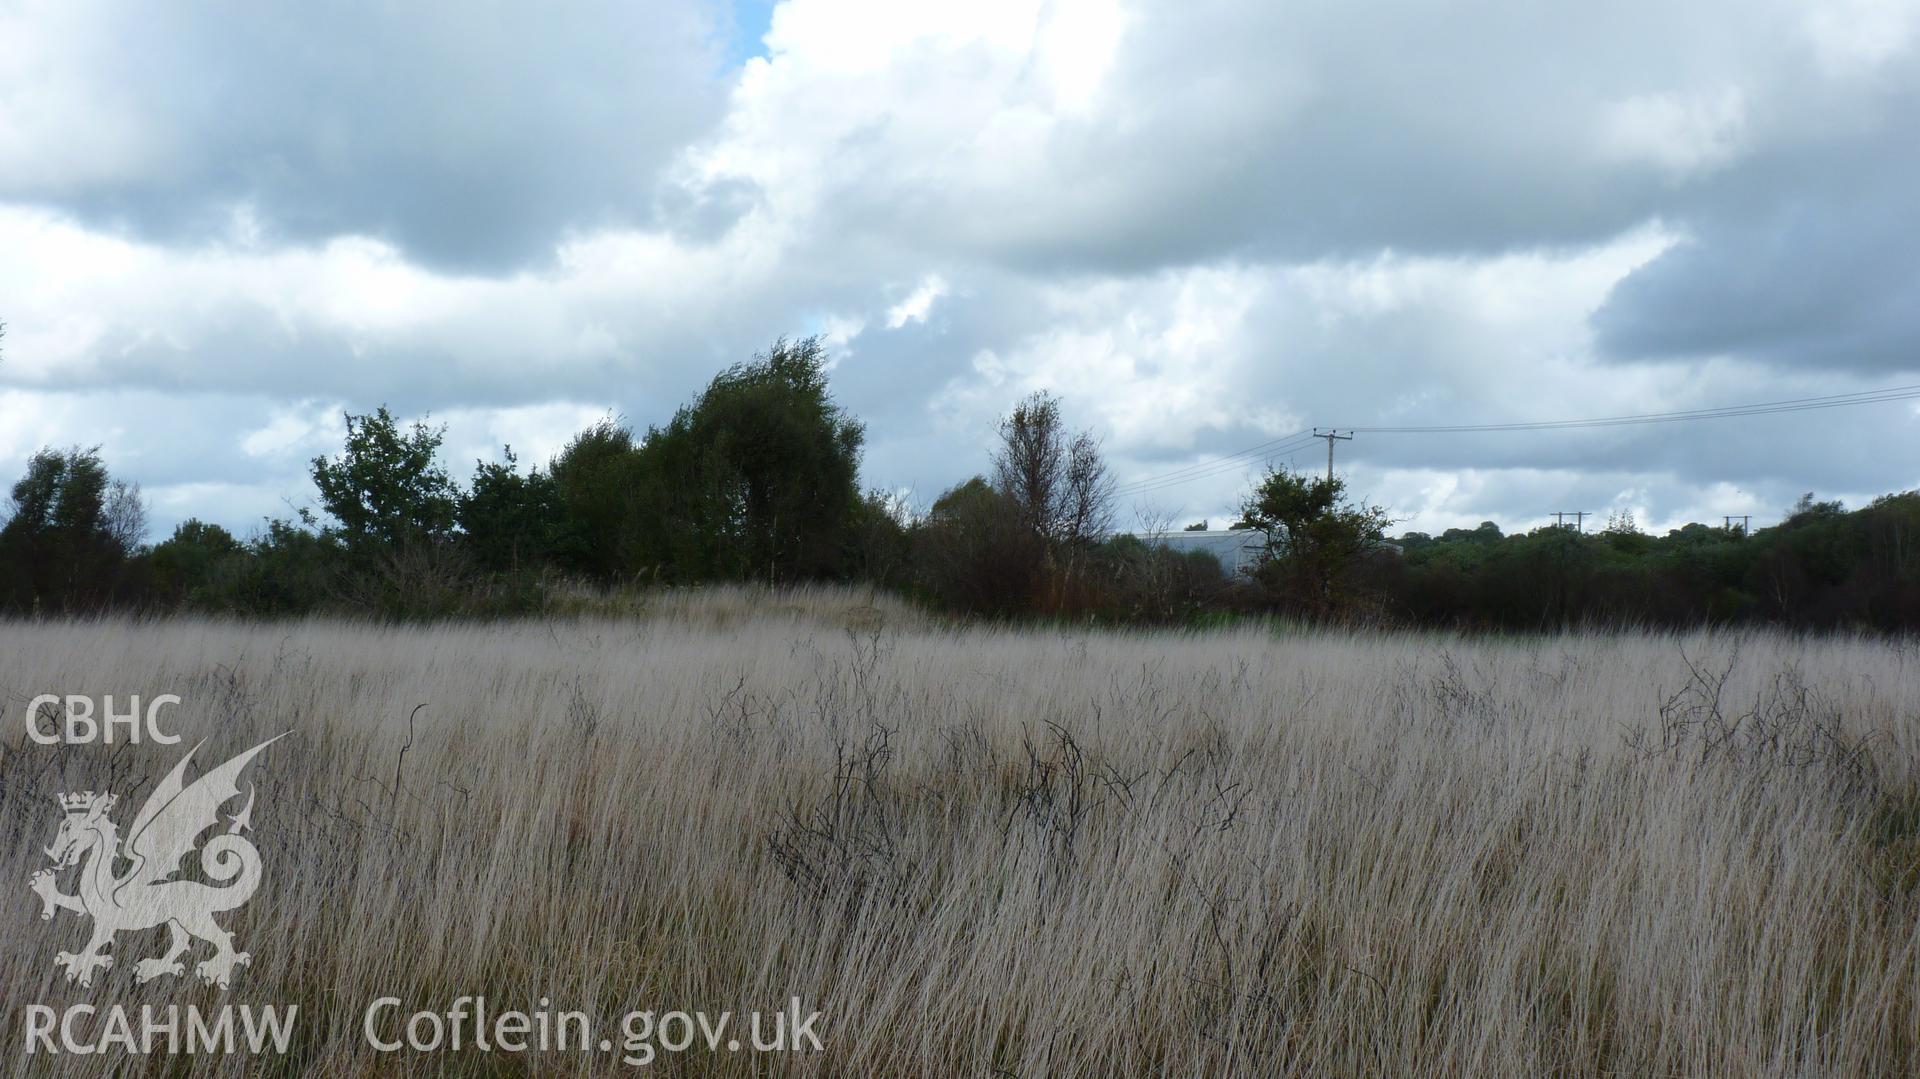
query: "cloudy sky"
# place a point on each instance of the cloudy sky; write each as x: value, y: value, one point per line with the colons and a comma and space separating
x: 1206, y: 225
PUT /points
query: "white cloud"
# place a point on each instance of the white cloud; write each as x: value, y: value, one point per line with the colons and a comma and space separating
x: 535, y: 433
x: 344, y: 318
x: 918, y: 304
x: 302, y: 430
x: 1852, y: 37
x: 1680, y: 134
x: 837, y: 333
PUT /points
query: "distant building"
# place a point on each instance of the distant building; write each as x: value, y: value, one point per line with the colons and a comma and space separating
x: 1237, y: 549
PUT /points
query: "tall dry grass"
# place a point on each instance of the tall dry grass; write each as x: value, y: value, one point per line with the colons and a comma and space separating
x: 996, y: 852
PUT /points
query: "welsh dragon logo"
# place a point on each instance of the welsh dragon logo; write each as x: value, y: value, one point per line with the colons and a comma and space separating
x: 163, y: 833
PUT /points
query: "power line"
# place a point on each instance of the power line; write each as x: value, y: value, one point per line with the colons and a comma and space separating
x: 1272, y: 446
x: 1232, y: 462
x: 1240, y: 458
x: 1798, y: 404
x: 1225, y: 468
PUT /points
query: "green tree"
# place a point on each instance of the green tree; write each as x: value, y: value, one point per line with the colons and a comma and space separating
x: 1486, y: 534
x: 289, y: 569
x: 509, y: 519
x: 1623, y: 534
x: 71, y: 531
x: 595, y: 487
x: 1315, y: 536
x: 882, y: 550
x: 188, y: 565
x: 757, y: 478
x: 387, y: 490
x: 974, y: 552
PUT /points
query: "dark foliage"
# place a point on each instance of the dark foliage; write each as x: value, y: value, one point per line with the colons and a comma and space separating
x: 757, y: 479
x: 1821, y: 568
x: 69, y: 541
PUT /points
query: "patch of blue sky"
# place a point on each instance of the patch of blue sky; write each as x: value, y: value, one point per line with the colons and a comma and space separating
x: 747, y: 30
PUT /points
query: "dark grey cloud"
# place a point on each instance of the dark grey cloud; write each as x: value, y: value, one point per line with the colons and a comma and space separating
x: 1805, y: 257
x: 471, y: 135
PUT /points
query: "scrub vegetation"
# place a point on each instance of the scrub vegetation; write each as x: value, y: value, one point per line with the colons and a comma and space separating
x: 1029, y: 851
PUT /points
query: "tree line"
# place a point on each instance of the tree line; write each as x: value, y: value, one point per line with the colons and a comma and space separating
x: 1821, y: 567
x: 757, y: 479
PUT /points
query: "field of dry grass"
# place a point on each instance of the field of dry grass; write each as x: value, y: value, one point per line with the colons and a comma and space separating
x: 1034, y: 852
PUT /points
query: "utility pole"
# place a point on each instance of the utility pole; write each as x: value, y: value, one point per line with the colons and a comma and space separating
x: 1579, y: 519
x: 1729, y: 518
x: 1330, y: 434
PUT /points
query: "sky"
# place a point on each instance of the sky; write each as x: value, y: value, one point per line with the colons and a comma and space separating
x: 1204, y: 225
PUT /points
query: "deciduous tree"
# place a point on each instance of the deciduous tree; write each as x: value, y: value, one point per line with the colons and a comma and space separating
x: 386, y: 489
x: 1315, y: 534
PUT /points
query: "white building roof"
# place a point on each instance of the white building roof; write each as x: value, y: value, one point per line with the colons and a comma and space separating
x: 1237, y: 549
